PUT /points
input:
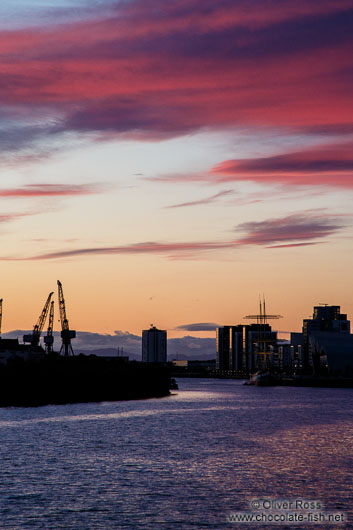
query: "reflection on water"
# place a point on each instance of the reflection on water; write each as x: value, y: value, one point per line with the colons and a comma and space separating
x: 182, y: 462
x: 103, y: 416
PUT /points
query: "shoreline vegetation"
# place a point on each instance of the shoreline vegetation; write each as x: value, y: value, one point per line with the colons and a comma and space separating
x: 55, y: 380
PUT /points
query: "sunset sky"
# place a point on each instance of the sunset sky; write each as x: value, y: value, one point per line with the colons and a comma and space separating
x: 172, y: 161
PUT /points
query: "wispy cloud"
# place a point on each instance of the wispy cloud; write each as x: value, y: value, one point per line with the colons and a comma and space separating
x: 291, y: 245
x: 6, y: 218
x: 293, y: 230
x: 150, y: 247
x: 206, y: 200
x: 31, y: 191
x: 296, y: 228
x: 326, y: 165
x: 51, y: 190
x: 14, y: 216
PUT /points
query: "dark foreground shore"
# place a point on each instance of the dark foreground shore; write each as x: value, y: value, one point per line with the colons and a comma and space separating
x: 59, y: 380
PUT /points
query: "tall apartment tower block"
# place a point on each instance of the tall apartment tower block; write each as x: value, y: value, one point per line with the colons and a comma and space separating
x: 326, y: 319
x: 154, y: 345
x: 239, y: 347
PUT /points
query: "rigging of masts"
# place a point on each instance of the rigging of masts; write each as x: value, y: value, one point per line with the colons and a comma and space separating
x: 262, y: 317
x: 66, y: 333
x: 34, y: 337
x: 49, y: 339
x: 262, y: 332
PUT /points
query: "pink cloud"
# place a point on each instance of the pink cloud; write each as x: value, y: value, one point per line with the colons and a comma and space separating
x: 301, y: 229
x: 183, y: 66
x: 151, y: 247
x: 49, y: 190
x: 326, y: 165
x: 9, y: 217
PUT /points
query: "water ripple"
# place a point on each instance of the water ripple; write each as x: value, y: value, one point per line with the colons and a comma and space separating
x: 178, y: 463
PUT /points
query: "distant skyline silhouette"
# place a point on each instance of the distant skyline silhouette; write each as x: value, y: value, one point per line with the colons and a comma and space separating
x: 169, y: 161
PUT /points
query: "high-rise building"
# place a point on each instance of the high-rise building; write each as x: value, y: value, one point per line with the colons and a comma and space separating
x: 259, y: 342
x: 297, y: 355
x: 154, y: 345
x: 241, y: 348
x: 229, y: 348
x: 223, y: 355
x: 326, y: 318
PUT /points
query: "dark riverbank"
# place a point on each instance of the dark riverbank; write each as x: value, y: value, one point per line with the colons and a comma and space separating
x: 272, y: 380
x: 59, y: 380
x: 308, y: 381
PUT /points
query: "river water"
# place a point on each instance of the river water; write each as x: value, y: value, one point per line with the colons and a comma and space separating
x: 184, y: 462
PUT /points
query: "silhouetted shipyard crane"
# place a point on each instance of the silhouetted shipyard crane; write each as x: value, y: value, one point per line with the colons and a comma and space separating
x: 66, y: 333
x: 49, y: 339
x: 34, y: 337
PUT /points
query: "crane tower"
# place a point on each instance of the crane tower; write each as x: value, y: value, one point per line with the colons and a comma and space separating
x: 34, y: 337
x: 66, y: 333
x: 49, y: 339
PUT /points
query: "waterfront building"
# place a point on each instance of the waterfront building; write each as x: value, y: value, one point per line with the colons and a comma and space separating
x: 244, y: 348
x: 259, y: 346
x: 296, y: 342
x: 328, y: 330
x: 285, y: 354
x: 332, y: 353
x: 154, y: 345
x: 180, y: 363
x: 12, y: 349
x: 229, y: 348
x: 223, y: 353
x: 195, y: 367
